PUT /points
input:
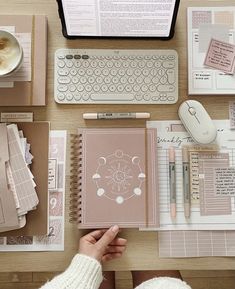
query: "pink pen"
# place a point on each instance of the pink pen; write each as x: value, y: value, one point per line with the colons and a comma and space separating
x: 186, y: 189
x: 172, y: 182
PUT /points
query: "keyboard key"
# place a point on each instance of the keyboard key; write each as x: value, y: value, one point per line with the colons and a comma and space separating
x: 139, y: 96
x: 163, y: 80
x: 147, y: 97
x: 72, y: 87
x: 60, y: 56
x: 168, y: 64
x: 165, y: 88
x: 62, y: 88
x: 61, y: 96
x: 61, y: 63
x: 171, y: 98
x: 74, y: 80
x: 77, y: 64
x: 73, y: 71
x: 163, y: 98
x: 69, y: 96
x: 171, y: 75
x: 63, y: 72
x: 111, y: 97
x: 77, y: 96
x: 69, y: 63
x: 85, y: 96
x: 64, y: 80
x: 80, y: 87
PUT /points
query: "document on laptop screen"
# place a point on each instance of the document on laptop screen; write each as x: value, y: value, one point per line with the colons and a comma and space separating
x: 120, y: 18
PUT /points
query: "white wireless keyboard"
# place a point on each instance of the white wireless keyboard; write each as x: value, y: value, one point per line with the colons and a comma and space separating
x: 116, y: 76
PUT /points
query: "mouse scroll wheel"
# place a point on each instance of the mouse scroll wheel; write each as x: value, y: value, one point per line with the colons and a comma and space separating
x: 192, y: 110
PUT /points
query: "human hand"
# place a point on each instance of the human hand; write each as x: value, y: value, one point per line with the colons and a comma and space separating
x: 103, y: 245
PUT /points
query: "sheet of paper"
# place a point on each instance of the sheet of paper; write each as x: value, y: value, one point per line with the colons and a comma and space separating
x: 115, y: 18
x: 165, y: 139
x: 210, y: 203
x: 193, y: 153
x: 181, y: 244
x: 54, y: 241
x: 202, y: 79
x: 24, y: 185
x: 208, y: 31
x: 221, y: 56
x: 224, y: 184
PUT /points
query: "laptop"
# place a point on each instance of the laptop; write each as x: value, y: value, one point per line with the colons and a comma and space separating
x: 118, y: 18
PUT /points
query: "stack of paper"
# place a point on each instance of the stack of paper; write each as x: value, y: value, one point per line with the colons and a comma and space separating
x: 17, y: 187
x: 209, y: 229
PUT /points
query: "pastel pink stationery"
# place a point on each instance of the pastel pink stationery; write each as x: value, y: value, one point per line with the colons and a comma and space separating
x: 221, y: 56
x: 114, y: 178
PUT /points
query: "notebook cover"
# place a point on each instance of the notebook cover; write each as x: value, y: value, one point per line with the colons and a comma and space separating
x: 29, y: 93
x: 118, y: 178
x: 37, y: 134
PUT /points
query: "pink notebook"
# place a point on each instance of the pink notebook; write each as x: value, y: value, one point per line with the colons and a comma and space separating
x: 114, y: 178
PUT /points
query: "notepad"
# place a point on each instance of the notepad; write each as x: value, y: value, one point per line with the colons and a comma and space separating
x: 114, y: 178
x: 205, y: 23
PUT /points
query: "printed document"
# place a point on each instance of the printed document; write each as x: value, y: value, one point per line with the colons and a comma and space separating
x: 118, y: 18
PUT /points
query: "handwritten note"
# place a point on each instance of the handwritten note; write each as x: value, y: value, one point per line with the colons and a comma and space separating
x: 224, y: 181
x: 221, y: 56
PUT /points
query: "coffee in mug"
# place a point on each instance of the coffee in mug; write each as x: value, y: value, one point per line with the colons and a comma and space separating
x: 11, y: 54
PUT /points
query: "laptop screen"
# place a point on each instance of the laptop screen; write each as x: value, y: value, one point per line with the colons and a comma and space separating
x: 118, y: 18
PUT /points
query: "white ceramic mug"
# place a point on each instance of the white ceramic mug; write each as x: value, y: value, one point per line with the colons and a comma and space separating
x: 11, y: 54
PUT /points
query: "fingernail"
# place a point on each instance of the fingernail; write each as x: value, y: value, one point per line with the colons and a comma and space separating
x: 115, y: 228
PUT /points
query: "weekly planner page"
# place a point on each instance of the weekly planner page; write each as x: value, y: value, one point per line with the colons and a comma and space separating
x: 205, y: 24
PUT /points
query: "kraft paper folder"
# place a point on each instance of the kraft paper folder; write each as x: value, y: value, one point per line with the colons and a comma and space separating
x: 29, y: 93
x: 37, y: 134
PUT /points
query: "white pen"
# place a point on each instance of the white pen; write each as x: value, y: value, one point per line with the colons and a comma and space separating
x: 115, y: 115
x: 186, y: 190
x: 172, y: 182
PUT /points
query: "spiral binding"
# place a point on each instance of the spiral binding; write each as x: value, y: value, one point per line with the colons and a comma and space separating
x: 75, y: 214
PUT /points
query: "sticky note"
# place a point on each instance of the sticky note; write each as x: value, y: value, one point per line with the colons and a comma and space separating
x: 221, y: 56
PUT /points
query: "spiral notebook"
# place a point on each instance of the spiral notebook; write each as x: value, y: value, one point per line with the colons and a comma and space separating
x: 114, y: 178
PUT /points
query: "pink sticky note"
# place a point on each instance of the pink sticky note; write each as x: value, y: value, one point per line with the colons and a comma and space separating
x: 221, y: 56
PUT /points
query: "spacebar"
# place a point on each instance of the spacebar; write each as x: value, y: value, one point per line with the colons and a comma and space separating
x: 112, y: 97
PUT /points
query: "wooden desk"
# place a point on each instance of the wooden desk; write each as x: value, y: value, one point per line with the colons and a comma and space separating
x: 142, y: 252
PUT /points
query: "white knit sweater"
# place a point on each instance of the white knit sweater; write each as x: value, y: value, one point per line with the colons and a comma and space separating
x: 86, y: 273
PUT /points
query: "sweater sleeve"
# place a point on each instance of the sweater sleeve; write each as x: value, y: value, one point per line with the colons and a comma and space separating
x: 83, y: 273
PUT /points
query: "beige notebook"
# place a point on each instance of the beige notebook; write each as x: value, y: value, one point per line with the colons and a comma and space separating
x: 33, y: 92
x: 114, y: 178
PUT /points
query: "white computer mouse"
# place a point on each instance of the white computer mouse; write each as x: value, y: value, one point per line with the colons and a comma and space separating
x: 197, y: 122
